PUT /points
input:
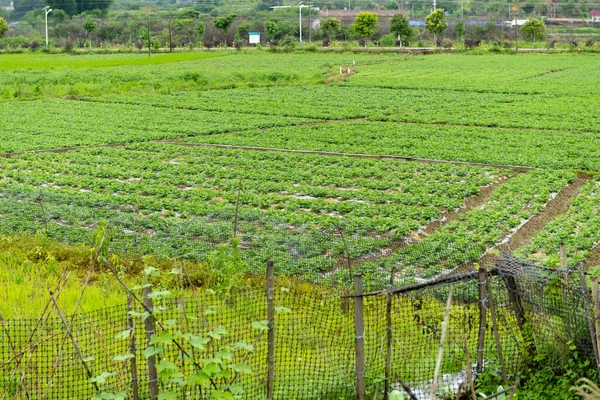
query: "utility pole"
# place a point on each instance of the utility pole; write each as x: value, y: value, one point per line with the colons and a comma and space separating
x: 434, y: 5
x: 309, y: 26
x: 149, y: 52
x: 47, y: 10
x: 300, y: 20
x: 170, y: 37
x: 516, y: 34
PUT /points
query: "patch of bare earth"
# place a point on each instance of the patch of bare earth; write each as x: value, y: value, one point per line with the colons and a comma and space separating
x: 594, y: 258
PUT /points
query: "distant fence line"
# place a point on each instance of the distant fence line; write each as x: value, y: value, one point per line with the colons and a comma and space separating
x: 315, y: 349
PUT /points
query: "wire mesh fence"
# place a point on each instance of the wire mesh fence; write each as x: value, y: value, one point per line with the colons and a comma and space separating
x: 535, y: 309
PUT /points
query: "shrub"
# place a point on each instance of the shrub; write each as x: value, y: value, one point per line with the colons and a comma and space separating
x: 470, y: 43
x: 590, y: 43
x: 388, y: 40
x: 326, y: 42
x: 420, y: 44
x: 311, y: 48
x: 69, y: 44
x: 447, y: 44
x: 575, y: 43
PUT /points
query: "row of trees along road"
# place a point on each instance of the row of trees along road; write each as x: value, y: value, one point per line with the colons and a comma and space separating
x: 435, y: 23
x: 364, y: 27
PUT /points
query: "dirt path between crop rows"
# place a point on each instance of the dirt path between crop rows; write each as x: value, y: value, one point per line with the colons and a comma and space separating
x: 556, y: 207
x: 335, y: 154
x: 471, y: 203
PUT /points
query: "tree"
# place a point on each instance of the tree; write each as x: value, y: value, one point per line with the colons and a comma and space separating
x: 273, y: 30
x: 3, y: 27
x: 365, y: 25
x: 200, y: 28
x: 331, y: 26
x: 89, y: 27
x: 436, y: 23
x: 460, y: 30
x: 400, y: 27
x: 223, y: 23
x: 534, y: 29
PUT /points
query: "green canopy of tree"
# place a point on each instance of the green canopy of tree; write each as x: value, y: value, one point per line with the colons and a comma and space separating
x: 273, y: 30
x: 400, y: 26
x: 73, y: 7
x: 365, y: 25
x: 460, y: 30
x: 436, y: 24
x: 534, y: 29
x: 3, y: 27
x: 200, y: 28
x: 89, y: 25
x: 330, y: 26
x: 225, y: 22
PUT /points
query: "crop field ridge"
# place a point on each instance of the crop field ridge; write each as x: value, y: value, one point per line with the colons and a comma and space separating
x: 555, y: 207
x: 336, y: 154
x: 471, y: 203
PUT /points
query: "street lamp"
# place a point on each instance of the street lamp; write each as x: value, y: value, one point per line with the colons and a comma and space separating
x: 300, y: 5
x: 48, y: 10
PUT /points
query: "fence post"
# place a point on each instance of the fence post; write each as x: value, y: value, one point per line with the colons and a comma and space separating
x: 271, y: 332
x: 495, y: 330
x: 563, y: 255
x: 132, y: 350
x: 149, y: 327
x: 388, y: 358
x: 359, y: 338
x: 515, y: 298
x: 482, y: 317
x: 596, y: 302
x: 588, y: 310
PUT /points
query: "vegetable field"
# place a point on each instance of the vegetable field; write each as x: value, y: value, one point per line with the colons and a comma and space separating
x: 184, y: 152
x: 187, y: 173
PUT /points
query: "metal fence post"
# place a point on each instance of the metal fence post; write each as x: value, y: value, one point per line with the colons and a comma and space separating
x: 150, y: 330
x: 482, y: 316
x: 271, y: 332
x: 359, y: 338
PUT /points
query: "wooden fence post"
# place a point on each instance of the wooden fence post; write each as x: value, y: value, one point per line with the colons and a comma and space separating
x: 359, y: 338
x: 150, y: 330
x: 271, y: 332
x: 596, y: 302
x: 482, y: 317
x: 132, y: 350
x: 588, y: 309
x: 515, y: 299
x: 563, y: 255
x: 388, y: 358
x: 496, y: 333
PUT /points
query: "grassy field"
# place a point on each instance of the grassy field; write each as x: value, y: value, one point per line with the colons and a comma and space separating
x: 419, y: 164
